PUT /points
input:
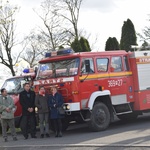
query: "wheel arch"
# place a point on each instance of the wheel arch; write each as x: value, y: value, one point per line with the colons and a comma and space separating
x: 104, y: 97
x: 99, y: 96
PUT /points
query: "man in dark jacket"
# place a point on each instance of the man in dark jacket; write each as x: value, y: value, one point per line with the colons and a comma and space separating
x: 27, y: 100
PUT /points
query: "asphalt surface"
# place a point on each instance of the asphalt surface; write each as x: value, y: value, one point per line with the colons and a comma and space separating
x: 119, y: 136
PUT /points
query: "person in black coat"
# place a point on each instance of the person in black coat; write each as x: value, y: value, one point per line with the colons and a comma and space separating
x: 28, y: 122
x: 55, y: 101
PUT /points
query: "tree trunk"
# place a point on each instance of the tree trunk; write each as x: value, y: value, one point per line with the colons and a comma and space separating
x: 12, y: 71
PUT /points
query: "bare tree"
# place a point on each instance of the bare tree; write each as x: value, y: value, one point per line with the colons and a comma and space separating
x: 60, y: 17
x: 69, y: 10
x: 145, y: 36
x: 7, y: 35
x: 54, y: 34
x: 34, y: 49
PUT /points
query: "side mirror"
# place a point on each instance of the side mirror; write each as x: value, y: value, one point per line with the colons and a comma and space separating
x: 22, y: 83
x: 87, y: 65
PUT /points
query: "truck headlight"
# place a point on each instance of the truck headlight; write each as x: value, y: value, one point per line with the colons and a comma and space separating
x: 67, y: 107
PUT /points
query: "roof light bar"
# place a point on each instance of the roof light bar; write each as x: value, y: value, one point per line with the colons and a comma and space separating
x: 28, y: 70
x: 59, y: 52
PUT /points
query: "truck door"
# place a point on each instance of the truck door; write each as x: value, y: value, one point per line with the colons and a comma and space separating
x: 120, y: 81
x: 87, y: 78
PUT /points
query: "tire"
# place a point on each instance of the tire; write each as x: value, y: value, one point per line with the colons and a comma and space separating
x: 128, y: 117
x: 17, y: 121
x: 100, y: 117
x: 65, y: 125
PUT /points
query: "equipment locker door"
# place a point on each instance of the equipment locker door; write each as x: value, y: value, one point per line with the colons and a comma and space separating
x: 120, y: 80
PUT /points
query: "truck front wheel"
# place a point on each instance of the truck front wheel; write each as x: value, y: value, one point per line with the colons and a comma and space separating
x: 65, y: 124
x: 100, y: 117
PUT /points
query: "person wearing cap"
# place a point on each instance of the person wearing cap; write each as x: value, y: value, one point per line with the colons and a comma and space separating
x: 7, y: 109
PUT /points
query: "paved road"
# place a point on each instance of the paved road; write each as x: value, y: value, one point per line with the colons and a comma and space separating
x: 119, y: 136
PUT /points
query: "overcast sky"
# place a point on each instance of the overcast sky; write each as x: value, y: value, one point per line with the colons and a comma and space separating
x: 98, y: 17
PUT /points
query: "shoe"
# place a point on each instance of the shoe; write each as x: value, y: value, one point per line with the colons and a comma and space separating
x: 42, y: 136
x: 5, y: 140
x: 15, y: 139
x: 33, y: 136
x: 47, y: 135
x: 56, y: 134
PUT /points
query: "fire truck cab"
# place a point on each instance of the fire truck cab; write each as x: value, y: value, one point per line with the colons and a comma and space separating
x: 98, y: 85
x: 14, y: 86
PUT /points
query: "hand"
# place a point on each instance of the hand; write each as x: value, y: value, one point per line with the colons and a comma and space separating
x: 8, y: 109
x: 31, y: 109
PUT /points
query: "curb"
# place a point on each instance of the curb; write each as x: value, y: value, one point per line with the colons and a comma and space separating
x: 79, y: 145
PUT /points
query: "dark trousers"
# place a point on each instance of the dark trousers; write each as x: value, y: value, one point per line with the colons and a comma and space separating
x: 57, y: 125
x: 28, y: 124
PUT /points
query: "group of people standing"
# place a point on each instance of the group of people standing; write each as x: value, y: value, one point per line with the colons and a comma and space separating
x: 54, y: 100
x: 47, y: 110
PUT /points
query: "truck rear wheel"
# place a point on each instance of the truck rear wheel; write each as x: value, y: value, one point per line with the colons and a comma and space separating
x: 100, y: 117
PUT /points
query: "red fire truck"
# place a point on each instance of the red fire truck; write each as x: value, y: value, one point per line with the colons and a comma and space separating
x: 96, y: 86
x: 14, y: 86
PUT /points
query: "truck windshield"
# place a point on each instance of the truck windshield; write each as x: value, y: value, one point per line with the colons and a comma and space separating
x: 14, y: 85
x: 58, y: 68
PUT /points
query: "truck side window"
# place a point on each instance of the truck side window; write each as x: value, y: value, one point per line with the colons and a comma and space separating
x: 102, y: 64
x: 116, y: 64
x: 126, y: 64
x: 83, y: 69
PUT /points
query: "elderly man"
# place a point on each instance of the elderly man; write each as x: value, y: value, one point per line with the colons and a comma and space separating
x: 7, y: 109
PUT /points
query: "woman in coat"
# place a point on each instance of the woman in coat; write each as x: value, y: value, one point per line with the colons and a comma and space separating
x: 41, y: 102
x: 56, y: 101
